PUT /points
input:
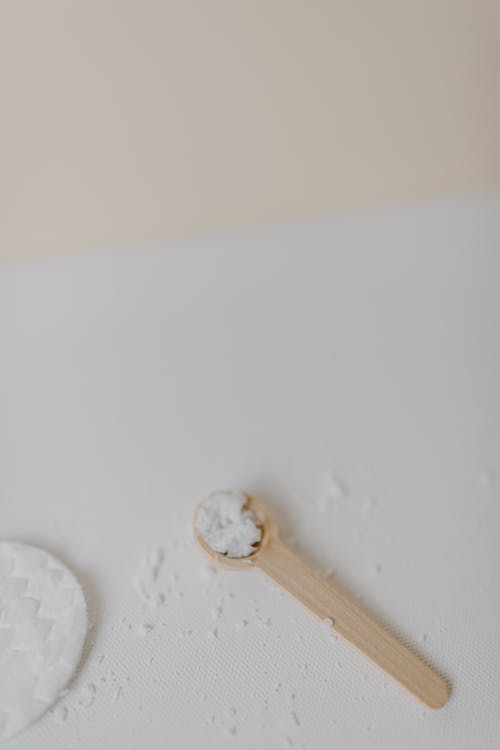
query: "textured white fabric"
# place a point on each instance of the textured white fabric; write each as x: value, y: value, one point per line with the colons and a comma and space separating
x: 43, y: 621
x: 346, y: 373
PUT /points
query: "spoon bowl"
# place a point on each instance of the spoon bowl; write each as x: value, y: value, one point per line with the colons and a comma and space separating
x: 267, y: 526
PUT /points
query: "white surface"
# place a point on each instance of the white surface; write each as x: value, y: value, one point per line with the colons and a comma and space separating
x: 365, y: 346
x: 43, y: 622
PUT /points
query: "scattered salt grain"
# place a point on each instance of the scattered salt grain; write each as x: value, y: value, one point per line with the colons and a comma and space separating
x: 216, y: 612
x: 158, y: 599
x: 147, y: 574
x: 87, y: 694
x: 332, y: 490
x: 145, y: 628
x: 60, y: 714
x: 263, y: 622
x: 208, y: 571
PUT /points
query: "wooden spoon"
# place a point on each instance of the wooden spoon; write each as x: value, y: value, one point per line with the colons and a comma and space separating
x: 278, y: 562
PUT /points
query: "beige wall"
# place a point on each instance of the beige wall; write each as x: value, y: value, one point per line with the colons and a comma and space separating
x: 124, y: 122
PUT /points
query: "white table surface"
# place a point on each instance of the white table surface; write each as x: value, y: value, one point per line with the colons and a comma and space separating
x: 133, y: 383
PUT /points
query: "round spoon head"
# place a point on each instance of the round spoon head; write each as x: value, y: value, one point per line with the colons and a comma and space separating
x: 267, y: 525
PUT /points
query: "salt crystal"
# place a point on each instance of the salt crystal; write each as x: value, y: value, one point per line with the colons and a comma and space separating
x: 145, y: 628
x: 147, y: 574
x: 87, y: 694
x: 227, y: 525
x: 332, y: 490
x: 60, y: 714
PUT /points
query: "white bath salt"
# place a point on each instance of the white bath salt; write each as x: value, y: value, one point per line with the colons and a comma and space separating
x: 87, y: 694
x: 158, y: 599
x: 208, y: 571
x: 146, y: 576
x: 155, y: 559
x: 263, y: 622
x: 331, y: 491
x: 327, y: 623
x: 217, y: 611
x: 60, y: 715
x: 145, y: 628
x: 226, y: 525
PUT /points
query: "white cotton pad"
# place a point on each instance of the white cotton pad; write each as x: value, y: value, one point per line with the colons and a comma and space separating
x: 226, y: 525
x: 43, y: 622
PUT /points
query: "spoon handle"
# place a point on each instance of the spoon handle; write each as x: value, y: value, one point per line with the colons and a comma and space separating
x: 350, y: 621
